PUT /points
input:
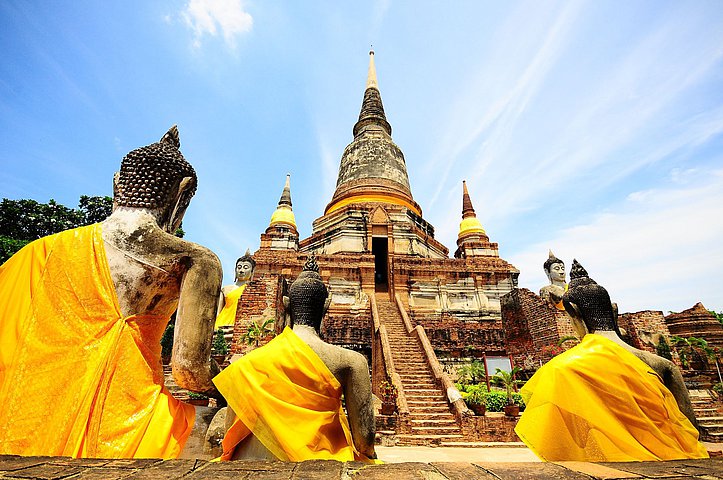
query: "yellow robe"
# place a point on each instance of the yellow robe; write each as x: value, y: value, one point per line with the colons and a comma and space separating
x: 227, y: 316
x: 597, y: 402
x: 76, y: 377
x: 283, y: 394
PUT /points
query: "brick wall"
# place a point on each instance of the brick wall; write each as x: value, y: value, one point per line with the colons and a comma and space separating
x: 531, y: 323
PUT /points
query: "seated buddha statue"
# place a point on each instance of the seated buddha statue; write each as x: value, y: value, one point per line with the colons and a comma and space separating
x: 603, y: 400
x: 82, y: 315
x: 285, y: 397
x: 230, y: 294
x: 555, y: 271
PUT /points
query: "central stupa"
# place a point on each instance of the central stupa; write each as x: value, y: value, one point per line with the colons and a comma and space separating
x: 372, y: 209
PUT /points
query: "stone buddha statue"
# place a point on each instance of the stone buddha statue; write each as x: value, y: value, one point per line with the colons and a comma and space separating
x: 591, y: 310
x: 230, y: 294
x: 287, y: 393
x: 555, y: 271
x: 83, y: 312
x: 155, y: 271
x: 603, y: 400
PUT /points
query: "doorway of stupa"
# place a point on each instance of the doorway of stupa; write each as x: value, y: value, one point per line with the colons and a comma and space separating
x: 380, y: 250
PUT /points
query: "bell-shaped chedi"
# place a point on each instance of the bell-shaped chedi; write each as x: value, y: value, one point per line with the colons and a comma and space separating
x: 282, y: 233
x: 472, y: 240
x: 372, y: 168
x: 372, y: 209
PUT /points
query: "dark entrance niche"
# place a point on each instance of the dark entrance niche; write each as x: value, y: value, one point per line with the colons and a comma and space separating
x: 380, y: 250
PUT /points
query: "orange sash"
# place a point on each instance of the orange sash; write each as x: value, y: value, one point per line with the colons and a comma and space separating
x: 285, y: 396
x: 76, y: 378
x: 597, y: 402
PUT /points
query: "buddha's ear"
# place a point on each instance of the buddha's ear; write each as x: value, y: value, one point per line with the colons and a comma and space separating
x: 327, y: 302
x: 615, y: 312
x: 285, y: 299
x: 180, y: 204
x: 116, y: 177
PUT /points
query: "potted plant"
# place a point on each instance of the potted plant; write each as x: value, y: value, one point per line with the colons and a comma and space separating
x: 508, y: 381
x: 219, y: 348
x: 388, y: 393
x: 476, y: 401
x: 198, y: 399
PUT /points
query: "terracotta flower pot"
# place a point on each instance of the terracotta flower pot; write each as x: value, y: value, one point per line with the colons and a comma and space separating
x: 479, y: 409
x: 388, y: 408
x: 512, y: 410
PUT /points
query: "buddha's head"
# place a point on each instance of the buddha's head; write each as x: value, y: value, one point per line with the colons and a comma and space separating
x: 554, y: 269
x: 157, y: 178
x: 588, y: 303
x: 245, y: 267
x: 308, y: 297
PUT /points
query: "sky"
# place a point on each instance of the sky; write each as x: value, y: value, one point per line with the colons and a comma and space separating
x: 591, y: 128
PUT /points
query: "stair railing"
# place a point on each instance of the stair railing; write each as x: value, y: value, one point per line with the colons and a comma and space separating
x: 459, y: 408
x: 381, y: 343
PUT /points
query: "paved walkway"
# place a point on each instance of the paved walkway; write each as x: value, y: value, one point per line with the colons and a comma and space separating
x: 51, y: 468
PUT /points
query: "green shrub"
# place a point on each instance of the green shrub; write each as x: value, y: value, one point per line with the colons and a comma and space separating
x: 220, y: 345
x: 167, y: 340
x: 496, y: 401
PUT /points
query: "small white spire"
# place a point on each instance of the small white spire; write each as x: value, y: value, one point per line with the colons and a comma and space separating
x: 288, y: 185
x: 372, y: 76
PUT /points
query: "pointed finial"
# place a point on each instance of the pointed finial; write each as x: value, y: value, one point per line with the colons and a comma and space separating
x: 286, y: 193
x: 467, y: 208
x: 372, y: 76
x: 172, y: 137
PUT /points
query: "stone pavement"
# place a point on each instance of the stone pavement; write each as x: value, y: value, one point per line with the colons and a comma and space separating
x: 50, y: 468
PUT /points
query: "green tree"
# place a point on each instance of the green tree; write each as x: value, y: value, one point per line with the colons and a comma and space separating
x: 718, y: 315
x: 25, y: 220
x: 507, y: 380
x: 255, y: 332
x: 663, y: 349
x: 692, y: 347
x: 220, y: 345
x: 471, y: 374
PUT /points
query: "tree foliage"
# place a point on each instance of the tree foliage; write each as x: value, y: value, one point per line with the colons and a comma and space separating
x: 718, y: 315
x: 693, y: 348
x: 25, y: 220
x: 471, y: 374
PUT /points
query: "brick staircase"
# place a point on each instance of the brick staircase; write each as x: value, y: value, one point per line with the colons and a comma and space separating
x: 709, y: 414
x: 432, y: 421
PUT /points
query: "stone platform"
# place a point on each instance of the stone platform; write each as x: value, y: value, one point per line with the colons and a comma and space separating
x: 50, y: 468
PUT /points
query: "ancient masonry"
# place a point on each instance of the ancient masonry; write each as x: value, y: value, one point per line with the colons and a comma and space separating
x: 373, y: 240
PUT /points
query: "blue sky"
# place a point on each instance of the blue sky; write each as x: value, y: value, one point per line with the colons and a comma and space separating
x: 591, y: 128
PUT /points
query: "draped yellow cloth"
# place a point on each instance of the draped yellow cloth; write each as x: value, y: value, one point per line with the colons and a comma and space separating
x: 285, y: 396
x: 597, y: 402
x: 76, y: 377
x: 227, y: 316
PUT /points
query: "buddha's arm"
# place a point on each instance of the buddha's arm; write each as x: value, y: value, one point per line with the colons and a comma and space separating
x: 358, y: 395
x: 221, y: 302
x: 673, y: 379
x: 193, y: 367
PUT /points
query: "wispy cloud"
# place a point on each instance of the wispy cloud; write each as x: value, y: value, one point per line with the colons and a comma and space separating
x: 211, y: 17
x: 659, y: 247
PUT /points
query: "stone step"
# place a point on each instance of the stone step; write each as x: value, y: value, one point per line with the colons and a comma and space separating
x: 709, y: 420
x: 436, y: 397
x: 427, y: 408
x: 432, y: 416
x: 427, y: 422
x: 416, y: 439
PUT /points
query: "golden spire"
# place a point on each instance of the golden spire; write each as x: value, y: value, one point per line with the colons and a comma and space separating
x: 372, y: 75
x: 283, y: 213
x: 470, y: 223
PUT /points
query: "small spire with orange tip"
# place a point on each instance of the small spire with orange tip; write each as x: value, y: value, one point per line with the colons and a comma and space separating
x: 470, y: 223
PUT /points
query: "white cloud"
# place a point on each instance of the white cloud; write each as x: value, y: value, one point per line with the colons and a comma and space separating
x: 659, y: 250
x: 207, y: 17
